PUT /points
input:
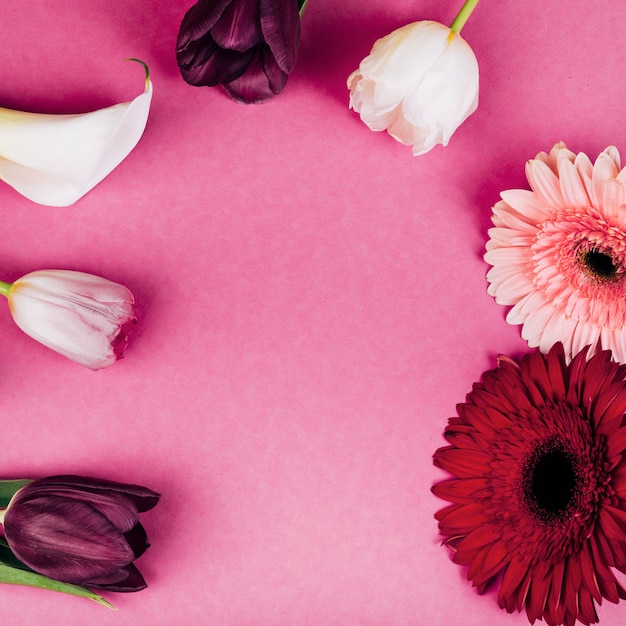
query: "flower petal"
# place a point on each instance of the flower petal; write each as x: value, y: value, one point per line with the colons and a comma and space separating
x: 56, y: 159
x: 544, y: 183
x: 262, y: 79
x: 238, y: 27
x: 86, y: 318
x: 448, y: 93
x: 280, y: 23
x: 199, y: 20
x: 572, y: 187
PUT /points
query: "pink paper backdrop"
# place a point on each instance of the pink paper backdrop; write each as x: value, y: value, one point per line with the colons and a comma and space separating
x: 312, y: 299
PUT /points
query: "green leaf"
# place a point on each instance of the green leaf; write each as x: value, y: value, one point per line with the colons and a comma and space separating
x: 8, y: 488
x: 13, y: 576
x: 8, y: 558
x: 302, y: 5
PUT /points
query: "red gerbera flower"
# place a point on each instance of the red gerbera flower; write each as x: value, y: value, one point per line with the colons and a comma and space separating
x: 539, y: 494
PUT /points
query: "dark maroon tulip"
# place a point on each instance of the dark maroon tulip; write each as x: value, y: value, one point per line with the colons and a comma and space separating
x: 248, y: 46
x: 80, y: 530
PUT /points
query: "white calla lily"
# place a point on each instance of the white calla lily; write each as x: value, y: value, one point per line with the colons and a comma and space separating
x: 420, y: 83
x: 56, y: 159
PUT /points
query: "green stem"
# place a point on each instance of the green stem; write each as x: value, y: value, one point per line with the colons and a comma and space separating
x: 5, y: 288
x: 145, y: 67
x: 463, y: 15
x: 12, y: 576
x: 8, y: 488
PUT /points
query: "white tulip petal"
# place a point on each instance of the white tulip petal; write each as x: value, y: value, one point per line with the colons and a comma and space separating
x: 448, y: 94
x: 56, y: 159
x: 391, y: 64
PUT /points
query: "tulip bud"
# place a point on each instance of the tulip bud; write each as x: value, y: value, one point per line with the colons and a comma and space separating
x: 419, y: 83
x: 248, y: 46
x: 84, y: 317
x: 82, y: 531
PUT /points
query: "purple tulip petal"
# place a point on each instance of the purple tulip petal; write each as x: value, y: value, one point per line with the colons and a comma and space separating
x: 280, y: 23
x: 67, y: 541
x: 120, y: 510
x: 199, y: 20
x: 144, y: 498
x: 137, y: 539
x: 276, y: 78
x: 263, y: 80
x: 125, y: 580
x: 200, y: 59
x: 239, y: 27
x: 220, y: 67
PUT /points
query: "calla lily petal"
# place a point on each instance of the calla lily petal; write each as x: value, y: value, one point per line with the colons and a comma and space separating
x: 56, y: 159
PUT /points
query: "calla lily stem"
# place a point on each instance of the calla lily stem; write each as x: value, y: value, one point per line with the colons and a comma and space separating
x: 145, y: 67
x: 463, y: 15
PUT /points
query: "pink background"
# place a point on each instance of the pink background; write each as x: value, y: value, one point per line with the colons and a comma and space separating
x: 312, y: 300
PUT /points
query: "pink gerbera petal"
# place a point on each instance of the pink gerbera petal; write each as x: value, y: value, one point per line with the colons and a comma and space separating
x: 572, y: 186
x: 544, y: 182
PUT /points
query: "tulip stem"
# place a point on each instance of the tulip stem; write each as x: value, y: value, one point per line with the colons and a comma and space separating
x: 5, y: 288
x: 8, y: 488
x: 463, y: 15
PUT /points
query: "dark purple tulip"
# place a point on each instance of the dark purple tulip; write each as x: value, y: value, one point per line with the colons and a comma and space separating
x: 248, y: 46
x: 80, y: 530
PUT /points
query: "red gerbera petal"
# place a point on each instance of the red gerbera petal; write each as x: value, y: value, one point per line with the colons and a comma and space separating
x: 464, y: 463
x: 515, y: 574
x: 462, y: 491
x: 610, y: 406
x: 539, y: 589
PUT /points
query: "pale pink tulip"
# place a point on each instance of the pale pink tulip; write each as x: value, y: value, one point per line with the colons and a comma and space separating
x: 84, y: 317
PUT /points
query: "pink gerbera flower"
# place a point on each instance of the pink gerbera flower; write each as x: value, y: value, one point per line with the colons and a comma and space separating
x: 559, y: 252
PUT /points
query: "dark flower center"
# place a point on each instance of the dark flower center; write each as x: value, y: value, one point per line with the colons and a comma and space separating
x: 599, y: 264
x: 551, y: 482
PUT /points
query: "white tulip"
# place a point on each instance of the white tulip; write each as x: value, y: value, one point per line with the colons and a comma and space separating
x: 56, y: 159
x: 420, y: 83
